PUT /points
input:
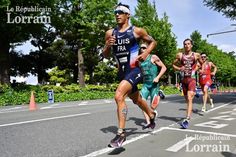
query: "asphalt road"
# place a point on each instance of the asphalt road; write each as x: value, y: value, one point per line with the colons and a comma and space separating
x: 85, y: 128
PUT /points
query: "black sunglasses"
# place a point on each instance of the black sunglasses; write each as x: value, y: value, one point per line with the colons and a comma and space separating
x: 203, y: 56
x: 143, y: 48
x: 118, y: 12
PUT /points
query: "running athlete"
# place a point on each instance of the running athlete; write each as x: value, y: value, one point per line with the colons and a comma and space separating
x: 186, y: 63
x: 151, y: 77
x: 205, y: 80
x: 123, y: 40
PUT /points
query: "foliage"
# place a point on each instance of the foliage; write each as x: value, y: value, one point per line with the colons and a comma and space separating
x: 227, y: 7
x: 20, y: 93
x: 13, y: 33
x: 225, y: 63
x: 159, y: 28
x: 104, y: 73
x: 58, y: 76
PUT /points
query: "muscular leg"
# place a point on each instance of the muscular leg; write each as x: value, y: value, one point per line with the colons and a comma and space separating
x: 154, y: 105
x: 205, y: 95
x: 121, y: 93
x: 137, y: 99
x: 190, y: 97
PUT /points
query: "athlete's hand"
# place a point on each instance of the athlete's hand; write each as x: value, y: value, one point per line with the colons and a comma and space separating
x: 156, y: 80
x: 212, y: 73
x: 200, y: 72
x: 111, y: 41
x: 182, y: 68
x: 141, y: 57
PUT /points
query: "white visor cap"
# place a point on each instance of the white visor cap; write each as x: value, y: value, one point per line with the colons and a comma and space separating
x: 123, y: 8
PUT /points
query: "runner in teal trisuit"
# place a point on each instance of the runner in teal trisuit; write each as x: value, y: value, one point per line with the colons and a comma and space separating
x: 151, y: 77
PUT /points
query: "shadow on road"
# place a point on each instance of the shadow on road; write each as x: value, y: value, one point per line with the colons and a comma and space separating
x: 112, y: 129
x: 196, y: 111
x: 138, y: 121
x: 228, y: 154
x: 117, y: 151
x: 175, y: 119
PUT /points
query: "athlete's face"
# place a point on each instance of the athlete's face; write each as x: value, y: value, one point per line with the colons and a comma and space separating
x: 142, y: 49
x: 188, y: 46
x: 121, y: 17
x: 204, y: 57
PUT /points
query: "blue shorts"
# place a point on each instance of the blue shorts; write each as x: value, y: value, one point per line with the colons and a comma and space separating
x: 133, y: 77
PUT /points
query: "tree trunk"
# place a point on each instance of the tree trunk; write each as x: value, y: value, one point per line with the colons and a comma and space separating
x: 81, y: 68
x: 4, y: 63
x: 169, y: 79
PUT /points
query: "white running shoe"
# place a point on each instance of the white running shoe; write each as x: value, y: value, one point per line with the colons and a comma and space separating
x: 211, y: 103
x: 156, y: 113
x: 203, y: 109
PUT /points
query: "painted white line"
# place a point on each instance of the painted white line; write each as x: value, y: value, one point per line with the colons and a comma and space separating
x: 176, y: 147
x: 199, y: 131
x: 107, y: 101
x: 51, y: 106
x: 83, y: 103
x: 164, y: 102
x: 44, y: 119
x: 9, y: 109
x: 105, y: 150
x: 213, y: 109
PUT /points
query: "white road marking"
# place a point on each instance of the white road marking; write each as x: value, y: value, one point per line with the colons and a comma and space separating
x: 224, y: 117
x: 83, y: 103
x: 105, y: 150
x: 44, y: 119
x: 211, y: 124
x: 176, y: 147
x: 51, y: 106
x: 215, y: 108
x: 107, y: 101
x: 9, y: 109
x: 199, y: 131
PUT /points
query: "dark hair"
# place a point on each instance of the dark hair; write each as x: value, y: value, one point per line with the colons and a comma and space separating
x: 120, y: 4
x: 203, y: 53
x: 188, y: 40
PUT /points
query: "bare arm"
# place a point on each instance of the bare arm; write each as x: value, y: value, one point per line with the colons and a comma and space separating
x: 215, y: 68
x: 109, y: 41
x: 176, y: 61
x: 198, y: 58
x: 142, y: 34
x: 159, y: 63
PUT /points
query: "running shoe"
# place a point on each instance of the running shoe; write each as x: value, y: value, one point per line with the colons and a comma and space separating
x: 203, y: 108
x: 156, y: 113
x: 184, y: 124
x: 152, y: 124
x: 117, y: 141
x: 146, y: 126
x: 211, y: 103
x: 161, y: 94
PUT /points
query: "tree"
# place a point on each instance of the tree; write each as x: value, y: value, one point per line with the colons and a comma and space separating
x: 159, y: 28
x: 14, y: 29
x: 82, y: 35
x: 58, y: 76
x: 94, y: 18
x: 196, y: 38
x: 227, y: 7
x: 225, y: 62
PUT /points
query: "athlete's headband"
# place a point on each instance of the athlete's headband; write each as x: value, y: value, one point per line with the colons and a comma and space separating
x: 122, y: 8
